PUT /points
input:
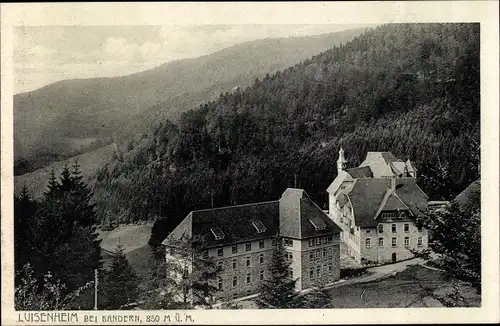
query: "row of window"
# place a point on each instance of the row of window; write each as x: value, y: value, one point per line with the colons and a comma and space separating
x: 234, y: 248
x: 368, y: 242
x: 320, y: 240
x: 320, y: 254
x: 406, y: 228
x: 248, y: 280
x: 248, y: 262
x: 327, y: 270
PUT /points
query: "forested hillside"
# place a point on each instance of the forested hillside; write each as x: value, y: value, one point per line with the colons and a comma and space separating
x: 72, y: 116
x: 412, y: 89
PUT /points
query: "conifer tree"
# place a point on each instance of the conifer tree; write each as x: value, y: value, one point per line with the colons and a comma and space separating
x: 61, y: 243
x: 191, y: 272
x: 120, y: 286
x: 279, y: 290
x: 24, y: 210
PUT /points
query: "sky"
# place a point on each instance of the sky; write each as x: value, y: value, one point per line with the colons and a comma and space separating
x: 46, y: 54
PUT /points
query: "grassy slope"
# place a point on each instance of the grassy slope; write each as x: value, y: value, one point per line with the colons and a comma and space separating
x: 133, y: 238
x: 90, y: 163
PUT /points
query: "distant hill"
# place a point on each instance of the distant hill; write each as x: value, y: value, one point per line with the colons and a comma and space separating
x: 37, y: 181
x: 48, y: 121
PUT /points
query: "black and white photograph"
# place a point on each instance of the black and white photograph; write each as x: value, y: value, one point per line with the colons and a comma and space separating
x: 246, y: 166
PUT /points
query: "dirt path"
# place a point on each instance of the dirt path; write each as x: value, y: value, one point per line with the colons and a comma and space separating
x: 376, y: 273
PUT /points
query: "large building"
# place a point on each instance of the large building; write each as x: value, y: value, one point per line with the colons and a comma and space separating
x: 240, y: 241
x: 374, y: 205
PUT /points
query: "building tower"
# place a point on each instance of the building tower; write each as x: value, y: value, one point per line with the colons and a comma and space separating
x: 341, y: 162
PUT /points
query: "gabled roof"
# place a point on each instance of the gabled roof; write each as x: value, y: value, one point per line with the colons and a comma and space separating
x: 366, y: 196
x: 470, y: 198
x: 335, y: 185
x: 296, y: 211
x: 234, y: 221
x: 383, y: 164
x: 410, y: 167
x: 360, y: 172
x: 370, y: 196
x: 289, y: 216
x: 309, y: 211
x: 390, y: 202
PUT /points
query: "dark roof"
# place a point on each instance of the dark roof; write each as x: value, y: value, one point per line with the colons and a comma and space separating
x: 360, y: 172
x: 310, y: 212
x: 288, y: 216
x: 470, y: 199
x: 236, y: 222
x: 367, y: 195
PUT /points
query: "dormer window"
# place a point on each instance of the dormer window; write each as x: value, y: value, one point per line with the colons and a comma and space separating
x: 259, y: 226
x: 318, y: 224
x: 217, y: 232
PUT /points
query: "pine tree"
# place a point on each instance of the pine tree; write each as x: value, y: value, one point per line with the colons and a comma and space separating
x: 24, y: 211
x: 120, y: 286
x: 62, y: 244
x: 191, y: 273
x: 279, y: 290
x: 53, y: 184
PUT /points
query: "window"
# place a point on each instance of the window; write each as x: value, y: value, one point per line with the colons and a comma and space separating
x: 311, y: 242
x: 234, y: 249
x: 247, y: 261
x: 220, y: 252
x: 394, y: 242
x: 329, y: 239
x: 259, y: 226
x: 419, y: 227
x: 261, y: 258
x: 235, y: 264
x: 289, y: 255
x: 407, y: 241
x: 318, y: 241
x: 288, y: 242
x: 290, y: 272
x: 419, y: 242
x: 234, y: 296
x: 220, y: 285
x: 380, y: 228
x: 367, y: 230
x: 249, y: 277
x: 324, y: 253
x: 235, y: 281
x: 311, y: 273
x: 318, y: 271
x: 261, y: 244
x: 407, y: 227
x: 217, y: 232
x: 219, y: 265
x: 389, y: 215
x: 318, y: 255
x: 368, y: 242
x: 380, y: 242
x: 318, y: 223
x: 248, y: 246
x: 311, y: 256
x: 330, y: 255
x: 394, y: 228
x: 330, y: 269
x: 261, y: 275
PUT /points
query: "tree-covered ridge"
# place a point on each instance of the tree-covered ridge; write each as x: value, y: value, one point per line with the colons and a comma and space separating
x: 412, y: 89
